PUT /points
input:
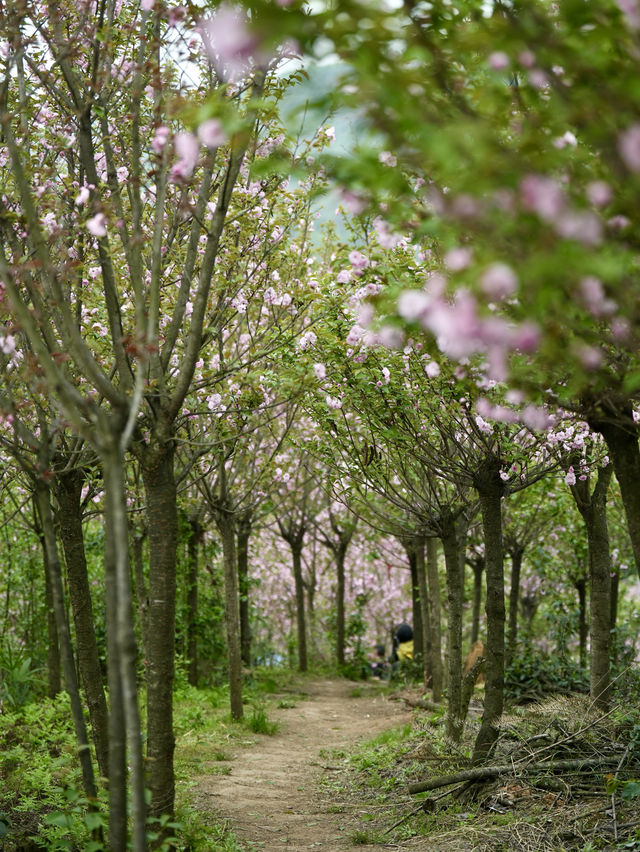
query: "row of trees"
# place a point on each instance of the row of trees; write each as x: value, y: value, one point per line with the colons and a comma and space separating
x: 169, y: 328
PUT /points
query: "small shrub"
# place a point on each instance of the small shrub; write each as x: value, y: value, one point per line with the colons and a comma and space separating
x: 533, y: 675
x: 260, y: 724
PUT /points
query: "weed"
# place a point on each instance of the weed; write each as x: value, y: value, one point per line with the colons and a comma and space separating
x: 285, y: 704
x: 356, y: 692
x: 361, y: 838
x: 260, y: 724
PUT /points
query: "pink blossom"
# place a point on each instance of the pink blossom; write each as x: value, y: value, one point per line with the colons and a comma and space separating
x: 353, y: 202
x: 504, y: 476
x: 388, y: 159
x: 344, y: 276
x: 386, y: 239
x: 413, y: 305
x: 147, y: 5
x: 390, y: 337
x: 160, y: 139
x: 526, y: 337
x: 536, y: 418
x: 599, y: 193
x: 211, y: 133
x: 97, y: 225
x: 583, y: 226
x: 187, y: 149
x: 334, y: 402
x: 320, y: 370
x: 542, y: 195
x: 593, y: 295
x: 629, y: 147
x: 82, y: 197
x: 358, y: 261
x: 432, y: 369
x: 590, y: 357
x: 570, y: 477
x: 230, y: 44
x: 483, y: 426
x: 499, y: 281
x: 386, y: 375
x: 631, y: 12
x: 567, y: 138
x: 458, y: 258
x: 498, y: 60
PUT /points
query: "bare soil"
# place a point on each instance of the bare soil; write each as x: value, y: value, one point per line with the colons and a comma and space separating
x: 273, y: 797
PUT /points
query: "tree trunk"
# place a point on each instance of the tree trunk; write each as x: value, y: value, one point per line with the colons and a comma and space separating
x: 434, y: 619
x: 454, y: 627
x: 478, y: 570
x: 53, y: 651
x: 613, y: 619
x: 296, y: 552
x: 490, y: 489
x: 162, y: 520
x: 137, y: 536
x: 244, y: 534
x: 123, y: 656
x: 68, y: 492
x: 420, y: 643
x: 341, y: 552
x: 583, y: 627
x: 226, y: 527
x: 43, y: 503
x: 419, y: 637
x: 593, y: 508
x: 514, y: 601
x: 621, y: 435
x: 193, y: 544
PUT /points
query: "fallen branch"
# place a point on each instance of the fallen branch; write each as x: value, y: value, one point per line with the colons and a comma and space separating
x: 417, y: 703
x: 482, y: 772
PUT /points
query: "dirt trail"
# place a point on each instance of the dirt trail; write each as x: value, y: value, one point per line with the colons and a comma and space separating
x: 272, y: 797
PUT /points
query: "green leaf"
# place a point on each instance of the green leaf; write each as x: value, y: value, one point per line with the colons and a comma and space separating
x: 63, y: 820
x: 93, y: 820
x: 631, y: 790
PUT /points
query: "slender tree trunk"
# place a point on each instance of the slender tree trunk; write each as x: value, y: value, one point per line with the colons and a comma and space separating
x: 593, y: 508
x: 419, y: 637
x: 137, y: 537
x: 478, y: 570
x: 420, y: 643
x: 516, y: 554
x: 434, y: 618
x: 613, y: 620
x: 450, y: 542
x: 583, y: 627
x: 226, y: 527
x: 490, y: 489
x: 68, y: 492
x: 340, y: 553
x: 162, y: 520
x: 244, y: 534
x: 53, y: 651
x: 43, y: 503
x: 193, y: 547
x: 123, y: 659
x: 621, y: 435
x: 296, y: 553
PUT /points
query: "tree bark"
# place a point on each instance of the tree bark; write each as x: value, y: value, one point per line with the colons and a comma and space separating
x: 478, y: 570
x: 593, y: 508
x: 244, y: 534
x: 490, y: 490
x: 613, y: 619
x: 583, y: 627
x: 42, y: 497
x: 123, y: 657
x: 137, y: 536
x: 53, y: 651
x: 162, y: 520
x: 301, y: 625
x: 226, y: 527
x: 450, y: 541
x: 620, y: 432
x: 68, y: 493
x: 193, y: 546
x: 433, y: 619
x: 419, y: 638
x: 418, y: 547
x: 516, y: 554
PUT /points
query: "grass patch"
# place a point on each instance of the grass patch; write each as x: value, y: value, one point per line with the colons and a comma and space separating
x: 259, y: 723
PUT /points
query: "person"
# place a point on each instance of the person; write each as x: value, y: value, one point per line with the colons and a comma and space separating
x: 402, y: 645
x: 378, y: 664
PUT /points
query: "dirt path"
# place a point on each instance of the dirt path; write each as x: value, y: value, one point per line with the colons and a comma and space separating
x: 272, y: 796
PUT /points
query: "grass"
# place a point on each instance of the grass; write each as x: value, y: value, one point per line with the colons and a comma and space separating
x: 260, y: 724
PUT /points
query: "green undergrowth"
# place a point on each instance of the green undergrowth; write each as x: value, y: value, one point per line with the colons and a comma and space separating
x: 368, y: 785
x: 41, y: 804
